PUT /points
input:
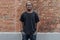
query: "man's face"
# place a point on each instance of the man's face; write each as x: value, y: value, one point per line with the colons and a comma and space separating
x: 29, y: 6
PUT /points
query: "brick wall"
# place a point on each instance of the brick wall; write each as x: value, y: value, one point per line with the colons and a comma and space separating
x: 7, y: 15
x: 48, y: 11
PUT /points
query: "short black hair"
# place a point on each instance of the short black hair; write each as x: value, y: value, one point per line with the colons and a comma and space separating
x: 29, y: 2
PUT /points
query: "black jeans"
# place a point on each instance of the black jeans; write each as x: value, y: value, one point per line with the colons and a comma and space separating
x: 27, y: 36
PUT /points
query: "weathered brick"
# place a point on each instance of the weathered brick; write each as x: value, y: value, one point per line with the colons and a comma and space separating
x: 48, y: 11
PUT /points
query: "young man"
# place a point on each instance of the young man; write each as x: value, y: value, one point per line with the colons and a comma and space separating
x: 29, y: 20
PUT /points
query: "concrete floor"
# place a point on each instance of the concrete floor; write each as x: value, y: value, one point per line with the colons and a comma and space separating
x: 18, y: 36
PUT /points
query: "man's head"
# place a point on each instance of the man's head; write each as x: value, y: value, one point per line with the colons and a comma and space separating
x: 29, y: 6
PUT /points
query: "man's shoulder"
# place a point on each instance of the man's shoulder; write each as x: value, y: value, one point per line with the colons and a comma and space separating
x: 23, y: 13
x: 35, y: 12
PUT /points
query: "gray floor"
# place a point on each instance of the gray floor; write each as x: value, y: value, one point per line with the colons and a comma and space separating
x: 18, y: 36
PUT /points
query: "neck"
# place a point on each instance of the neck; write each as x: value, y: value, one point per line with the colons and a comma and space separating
x: 30, y: 11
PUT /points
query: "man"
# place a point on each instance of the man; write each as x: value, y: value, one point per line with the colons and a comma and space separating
x: 29, y: 20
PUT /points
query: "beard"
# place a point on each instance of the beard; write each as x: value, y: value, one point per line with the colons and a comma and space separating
x: 29, y: 9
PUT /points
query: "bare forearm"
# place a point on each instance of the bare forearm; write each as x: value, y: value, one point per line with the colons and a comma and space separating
x: 22, y: 27
x: 36, y: 26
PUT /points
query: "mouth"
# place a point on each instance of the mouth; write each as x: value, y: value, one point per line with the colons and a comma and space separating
x: 29, y: 9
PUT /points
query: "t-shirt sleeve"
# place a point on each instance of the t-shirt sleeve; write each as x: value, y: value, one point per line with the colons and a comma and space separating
x: 21, y: 18
x: 36, y: 18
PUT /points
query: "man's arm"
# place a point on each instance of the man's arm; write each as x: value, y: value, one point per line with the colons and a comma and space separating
x: 22, y: 18
x: 22, y: 27
x: 22, y: 22
x: 36, y: 20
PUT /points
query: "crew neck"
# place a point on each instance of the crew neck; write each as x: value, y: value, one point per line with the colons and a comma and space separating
x: 29, y: 13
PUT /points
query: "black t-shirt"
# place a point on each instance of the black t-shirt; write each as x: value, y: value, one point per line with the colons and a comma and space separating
x: 29, y: 20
